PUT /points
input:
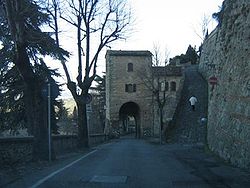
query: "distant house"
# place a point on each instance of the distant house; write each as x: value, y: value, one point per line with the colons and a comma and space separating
x: 170, y: 80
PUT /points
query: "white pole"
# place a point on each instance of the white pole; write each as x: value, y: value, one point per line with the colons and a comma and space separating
x: 49, y: 121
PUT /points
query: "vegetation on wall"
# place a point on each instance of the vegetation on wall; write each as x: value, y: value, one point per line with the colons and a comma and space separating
x: 218, y: 16
x: 191, y: 55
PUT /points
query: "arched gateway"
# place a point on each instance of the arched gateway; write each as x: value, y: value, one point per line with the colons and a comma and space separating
x: 128, y: 100
x: 129, y: 115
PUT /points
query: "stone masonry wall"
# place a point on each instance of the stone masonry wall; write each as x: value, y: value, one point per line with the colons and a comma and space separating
x: 14, y: 150
x: 226, y: 55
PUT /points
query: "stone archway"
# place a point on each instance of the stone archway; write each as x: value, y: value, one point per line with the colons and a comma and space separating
x: 129, y: 117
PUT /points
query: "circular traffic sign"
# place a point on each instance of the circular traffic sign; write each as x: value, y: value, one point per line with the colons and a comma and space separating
x: 87, y: 98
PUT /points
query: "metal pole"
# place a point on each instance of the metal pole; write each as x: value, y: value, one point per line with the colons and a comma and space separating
x: 49, y: 121
x: 160, y: 134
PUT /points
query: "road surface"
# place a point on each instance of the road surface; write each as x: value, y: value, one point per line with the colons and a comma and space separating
x: 132, y: 163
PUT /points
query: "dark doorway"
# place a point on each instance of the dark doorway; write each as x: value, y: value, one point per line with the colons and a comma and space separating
x: 129, y: 115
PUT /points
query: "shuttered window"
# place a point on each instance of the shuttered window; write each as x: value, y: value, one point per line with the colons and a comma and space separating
x: 130, y: 88
x: 173, y: 86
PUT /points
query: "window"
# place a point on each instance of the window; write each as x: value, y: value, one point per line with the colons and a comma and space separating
x: 162, y: 86
x: 130, y: 88
x: 166, y: 86
x: 130, y: 67
x: 173, y: 86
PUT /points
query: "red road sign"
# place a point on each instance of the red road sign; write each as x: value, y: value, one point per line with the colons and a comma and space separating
x: 213, y: 80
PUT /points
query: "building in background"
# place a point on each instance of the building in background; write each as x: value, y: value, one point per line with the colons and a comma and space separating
x: 131, y: 84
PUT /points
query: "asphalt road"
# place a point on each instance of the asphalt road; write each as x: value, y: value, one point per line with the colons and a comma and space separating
x: 135, y: 163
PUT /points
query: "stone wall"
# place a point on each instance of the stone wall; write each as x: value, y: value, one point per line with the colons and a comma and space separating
x: 96, y: 139
x: 226, y: 55
x: 15, y: 150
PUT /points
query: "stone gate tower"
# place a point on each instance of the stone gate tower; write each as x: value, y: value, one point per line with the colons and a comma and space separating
x: 126, y: 94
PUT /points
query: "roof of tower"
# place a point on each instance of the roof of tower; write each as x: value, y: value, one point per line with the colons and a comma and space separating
x: 167, y: 71
x: 129, y: 53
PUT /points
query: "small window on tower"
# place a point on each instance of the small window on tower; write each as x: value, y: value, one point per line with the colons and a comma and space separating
x: 162, y: 86
x: 134, y: 87
x: 173, y: 86
x: 130, y: 67
x: 130, y: 88
x: 166, y: 86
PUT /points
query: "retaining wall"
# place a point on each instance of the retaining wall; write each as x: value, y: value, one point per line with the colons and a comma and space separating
x: 15, y: 150
x: 226, y: 55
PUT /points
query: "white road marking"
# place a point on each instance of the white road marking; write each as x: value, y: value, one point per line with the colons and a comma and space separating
x: 60, y: 170
x: 109, y: 179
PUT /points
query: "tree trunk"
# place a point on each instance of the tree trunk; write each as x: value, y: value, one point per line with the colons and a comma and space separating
x: 83, y: 137
x: 161, y: 123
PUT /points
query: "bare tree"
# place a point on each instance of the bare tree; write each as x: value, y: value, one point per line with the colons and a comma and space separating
x: 203, y: 30
x: 157, y: 82
x: 160, y: 59
x: 98, y: 24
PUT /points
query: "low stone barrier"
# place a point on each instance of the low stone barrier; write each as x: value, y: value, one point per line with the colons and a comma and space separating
x: 95, y: 139
x: 14, y: 150
x: 64, y: 143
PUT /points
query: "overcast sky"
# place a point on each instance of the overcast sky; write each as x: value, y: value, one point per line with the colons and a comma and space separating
x: 172, y: 24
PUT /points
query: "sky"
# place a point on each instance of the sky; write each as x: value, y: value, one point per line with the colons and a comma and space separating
x: 171, y: 24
